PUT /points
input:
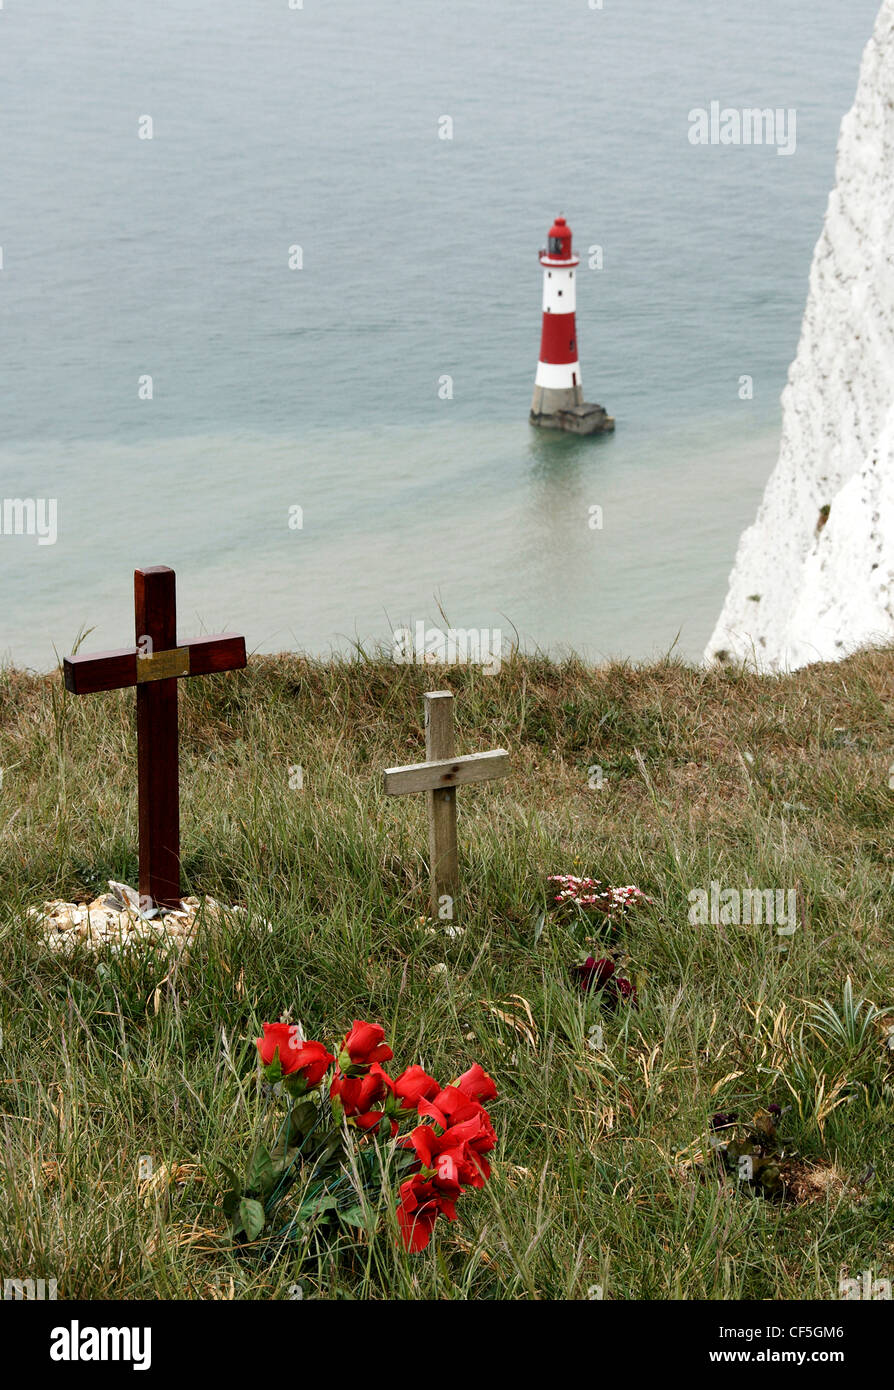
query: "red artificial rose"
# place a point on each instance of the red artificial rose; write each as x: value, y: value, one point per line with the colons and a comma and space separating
x: 425, y: 1144
x: 364, y: 1045
x: 372, y: 1119
x: 476, y: 1137
x: 414, y: 1085
x: 358, y: 1094
x: 477, y: 1147
x: 420, y: 1206
x: 476, y: 1084
x: 464, y: 1144
x: 310, y: 1059
x: 448, y: 1160
x: 449, y: 1107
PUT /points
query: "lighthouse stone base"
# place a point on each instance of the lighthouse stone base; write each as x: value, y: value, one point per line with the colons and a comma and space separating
x: 567, y: 410
x: 580, y: 419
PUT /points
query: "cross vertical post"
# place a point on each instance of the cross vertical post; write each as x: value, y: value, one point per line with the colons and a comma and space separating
x: 155, y: 607
x: 442, y: 851
x: 154, y: 665
x: 439, y: 778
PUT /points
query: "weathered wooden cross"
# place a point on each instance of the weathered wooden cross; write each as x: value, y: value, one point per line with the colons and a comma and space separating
x: 154, y: 666
x: 438, y: 778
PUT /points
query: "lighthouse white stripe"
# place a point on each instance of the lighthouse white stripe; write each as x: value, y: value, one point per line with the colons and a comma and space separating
x: 558, y: 292
x: 557, y: 375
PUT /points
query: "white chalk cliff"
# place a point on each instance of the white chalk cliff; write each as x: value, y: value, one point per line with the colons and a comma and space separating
x: 814, y: 576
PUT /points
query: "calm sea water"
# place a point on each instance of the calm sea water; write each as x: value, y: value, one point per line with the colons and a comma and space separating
x: 317, y: 388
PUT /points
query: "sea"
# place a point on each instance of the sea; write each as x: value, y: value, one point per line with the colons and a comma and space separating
x: 271, y: 306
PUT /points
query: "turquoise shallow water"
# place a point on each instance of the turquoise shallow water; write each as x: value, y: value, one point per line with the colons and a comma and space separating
x: 318, y: 388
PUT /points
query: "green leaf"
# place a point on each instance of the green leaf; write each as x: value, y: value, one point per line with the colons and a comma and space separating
x: 273, y: 1070
x: 356, y: 1216
x: 284, y: 1161
x: 302, y: 1118
x: 332, y: 1146
x: 260, y: 1170
x: 232, y: 1195
x: 251, y: 1217
x: 318, y: 1205
x: 233, y: 1181
x: 769, y: 1179
x: 231, y: 1204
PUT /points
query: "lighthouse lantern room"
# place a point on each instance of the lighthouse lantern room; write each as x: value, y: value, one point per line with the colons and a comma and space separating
x: 558, y: 401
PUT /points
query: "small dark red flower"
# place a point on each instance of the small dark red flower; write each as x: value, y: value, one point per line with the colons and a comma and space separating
x: 619, y: 991
x: 600, y: 975
x: 593, y: 974
x: 722, y: 1120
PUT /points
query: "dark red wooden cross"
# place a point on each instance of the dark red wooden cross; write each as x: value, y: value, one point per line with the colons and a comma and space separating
x: 154, y: 666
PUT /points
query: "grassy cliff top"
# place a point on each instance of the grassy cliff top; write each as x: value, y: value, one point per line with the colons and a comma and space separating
x: 663, y: 776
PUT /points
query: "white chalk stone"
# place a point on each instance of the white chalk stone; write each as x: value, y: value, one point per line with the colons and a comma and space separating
x: 114, y: 922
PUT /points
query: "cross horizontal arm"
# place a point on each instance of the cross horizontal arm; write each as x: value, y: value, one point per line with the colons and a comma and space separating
x: 448, y: 772
x: 203, y: 656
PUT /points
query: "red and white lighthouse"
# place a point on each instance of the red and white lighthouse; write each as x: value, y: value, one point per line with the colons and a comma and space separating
x: 558, y: 393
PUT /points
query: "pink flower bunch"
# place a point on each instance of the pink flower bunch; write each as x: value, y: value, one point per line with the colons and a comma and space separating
x: 585, y: 893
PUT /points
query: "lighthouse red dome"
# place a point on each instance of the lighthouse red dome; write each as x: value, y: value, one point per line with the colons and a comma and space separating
x: 558, y: 247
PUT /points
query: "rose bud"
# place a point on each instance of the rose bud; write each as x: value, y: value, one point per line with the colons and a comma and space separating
x: 358, y: 1094
x: 414, y: 1085
x: 373, y: 1120
x: 307, y: 1059
x: 363, y: 1045
x: 476, y: 1084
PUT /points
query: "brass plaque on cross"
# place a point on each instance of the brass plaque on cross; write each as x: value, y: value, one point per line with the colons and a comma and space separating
x: 161, y: 666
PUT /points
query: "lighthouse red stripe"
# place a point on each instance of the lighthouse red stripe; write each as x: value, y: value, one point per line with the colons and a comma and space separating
x: 558, y: 341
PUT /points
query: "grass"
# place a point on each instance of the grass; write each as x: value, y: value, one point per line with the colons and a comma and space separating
x: 771, y: 782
